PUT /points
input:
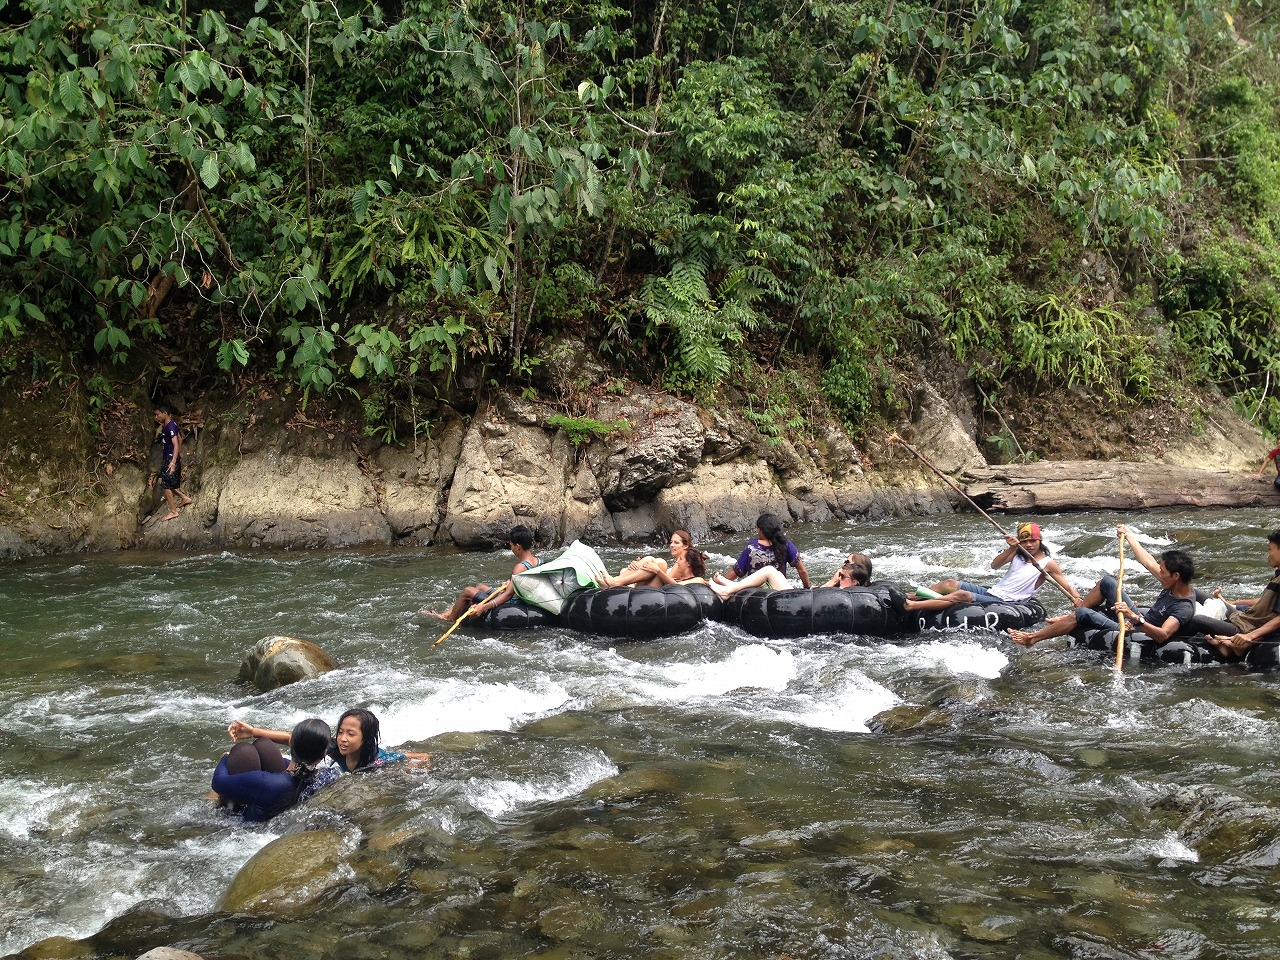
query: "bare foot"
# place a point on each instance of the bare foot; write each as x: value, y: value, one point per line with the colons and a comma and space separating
x: 1023, y: 638
x: 606, y: 580
x: 720, y: 579
x: 168, y: 516
x: 186, y: 502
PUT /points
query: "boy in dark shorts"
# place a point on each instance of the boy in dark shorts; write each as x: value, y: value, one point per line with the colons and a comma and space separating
x: 481, y: 598
x: 171, y: 461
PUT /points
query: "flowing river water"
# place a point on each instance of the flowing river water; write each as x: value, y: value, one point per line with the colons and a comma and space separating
x: 712, y: 795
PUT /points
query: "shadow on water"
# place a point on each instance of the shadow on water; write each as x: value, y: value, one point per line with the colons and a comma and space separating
x: 707, y: 795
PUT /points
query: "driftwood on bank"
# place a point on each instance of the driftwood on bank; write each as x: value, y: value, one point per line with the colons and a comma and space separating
x: 1052, y: 486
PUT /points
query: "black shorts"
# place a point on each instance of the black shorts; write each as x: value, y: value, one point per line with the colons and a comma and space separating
x: 171, y: 481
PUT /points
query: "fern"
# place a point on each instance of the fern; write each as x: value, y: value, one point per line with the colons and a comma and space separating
x: 703, y: 325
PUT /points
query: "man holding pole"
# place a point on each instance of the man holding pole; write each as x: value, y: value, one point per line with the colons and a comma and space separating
x: 1029, y: 565
x: 1174, y: 607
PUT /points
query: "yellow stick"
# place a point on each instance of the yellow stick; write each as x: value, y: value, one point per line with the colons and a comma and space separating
x: 1120, y: 599
x: 465, y: 613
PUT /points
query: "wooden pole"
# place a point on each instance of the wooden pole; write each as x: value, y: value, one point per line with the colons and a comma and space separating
x: 894, y: 438
x: 465, y: 613
x: 1119, y: 600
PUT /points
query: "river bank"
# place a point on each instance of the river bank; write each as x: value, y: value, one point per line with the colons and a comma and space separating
x: 266, y: 472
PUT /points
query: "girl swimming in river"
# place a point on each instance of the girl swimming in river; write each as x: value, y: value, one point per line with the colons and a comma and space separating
x: 260, y: 783
x: 690, y: 566
x: 354, y: 748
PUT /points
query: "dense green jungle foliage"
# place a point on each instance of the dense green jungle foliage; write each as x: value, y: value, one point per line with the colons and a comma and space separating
x: 376, y: 200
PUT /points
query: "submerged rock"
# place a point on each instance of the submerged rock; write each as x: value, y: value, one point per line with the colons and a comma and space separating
x: 634, y: 785
x: 906, y: 717
x: 1226, y: 829
x: 288, y: 875
x: 276, y: 661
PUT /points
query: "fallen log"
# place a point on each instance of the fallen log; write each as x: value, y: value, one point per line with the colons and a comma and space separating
x: 1053, y: 486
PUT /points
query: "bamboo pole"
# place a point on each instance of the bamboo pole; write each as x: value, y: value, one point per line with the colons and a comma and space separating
x: 1119, y: 600
x: 894, y: 438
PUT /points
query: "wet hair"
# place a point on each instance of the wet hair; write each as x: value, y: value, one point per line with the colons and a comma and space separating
x: 769, y: 525
x: 370, y: 731
x: 307, y: 746
x: 521, y: 536
x: 696, y: 559
x: 859, y: 565
x: 1274, y: 537
x: 1179, y: 562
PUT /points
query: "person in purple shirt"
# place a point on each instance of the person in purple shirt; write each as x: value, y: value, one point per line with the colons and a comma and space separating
x: 171, y: 461
x: 769, y: 548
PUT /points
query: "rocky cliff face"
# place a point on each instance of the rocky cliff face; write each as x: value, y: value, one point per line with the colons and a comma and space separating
x: 262, y: 475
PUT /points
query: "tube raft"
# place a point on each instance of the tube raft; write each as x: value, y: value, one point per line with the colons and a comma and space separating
x: 641, y: 613
x: 1183, y: 650
x: 515, y: 616
x: 1008, y: 615
x: 868, y: 611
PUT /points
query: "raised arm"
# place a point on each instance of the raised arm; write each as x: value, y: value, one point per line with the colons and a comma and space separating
x: 239, y: 730
x: 1140, y: 553
x: 1007, y: 554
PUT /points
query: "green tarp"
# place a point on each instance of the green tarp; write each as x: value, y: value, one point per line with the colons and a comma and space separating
x: 549, y: 584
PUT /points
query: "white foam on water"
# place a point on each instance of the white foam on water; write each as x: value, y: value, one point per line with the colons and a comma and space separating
x: 751, y: 666
x: 28, y: 807
x: 456, y: 705
x: 496, y: 798
x: 149, y: 874
x: 89, y: 711
x: 847, y: 706
x: 970, y: 657
x: 1166, y: 847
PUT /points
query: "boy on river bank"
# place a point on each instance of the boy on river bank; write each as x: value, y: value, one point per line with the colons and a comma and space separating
x: 171, y: 461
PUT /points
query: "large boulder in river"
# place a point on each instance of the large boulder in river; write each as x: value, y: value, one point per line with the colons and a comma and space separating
x: 277, y: 661
x: 288, y: 875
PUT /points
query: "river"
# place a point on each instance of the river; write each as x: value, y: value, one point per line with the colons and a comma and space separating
x: 703, y: 796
